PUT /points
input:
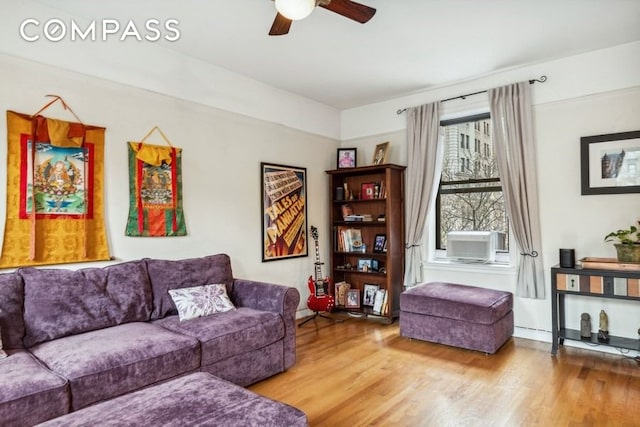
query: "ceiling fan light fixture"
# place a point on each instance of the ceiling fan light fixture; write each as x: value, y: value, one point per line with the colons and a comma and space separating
x: 295, y: 9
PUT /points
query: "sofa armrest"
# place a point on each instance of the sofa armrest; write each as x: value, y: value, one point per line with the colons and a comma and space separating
x: 271, y: 297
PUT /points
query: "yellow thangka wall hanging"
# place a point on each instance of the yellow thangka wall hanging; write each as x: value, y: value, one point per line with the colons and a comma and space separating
x: 55, y: 196
x: 155, y: 190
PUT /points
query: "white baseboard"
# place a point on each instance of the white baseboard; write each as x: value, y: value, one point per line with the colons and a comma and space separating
x: 546, y: 336
x: 536, y: 335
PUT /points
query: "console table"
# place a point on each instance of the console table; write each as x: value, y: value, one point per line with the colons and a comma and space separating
x: 590, y: 282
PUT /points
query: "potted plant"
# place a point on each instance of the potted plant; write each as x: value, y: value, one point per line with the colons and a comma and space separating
x: 627, y: 243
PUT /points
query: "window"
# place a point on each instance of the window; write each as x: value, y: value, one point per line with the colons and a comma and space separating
x: 469, y: 198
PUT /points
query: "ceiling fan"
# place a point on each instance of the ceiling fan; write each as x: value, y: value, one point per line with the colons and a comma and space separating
x: 293, y: 10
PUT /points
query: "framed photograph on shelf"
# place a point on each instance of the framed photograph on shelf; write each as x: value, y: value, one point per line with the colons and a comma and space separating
x: 610, y: 163
x: 347, y: 158
x: 284, y: 212
x: 380, y: 154
x: 364, y: 264
x: 353, y: 298
x: 369, y: 294
x: 380, y: 243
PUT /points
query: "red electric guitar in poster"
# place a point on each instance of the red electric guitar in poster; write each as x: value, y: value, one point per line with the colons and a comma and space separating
x: 320, y: 299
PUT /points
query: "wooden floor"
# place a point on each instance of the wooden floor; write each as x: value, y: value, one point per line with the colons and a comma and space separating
x: 362, y: 373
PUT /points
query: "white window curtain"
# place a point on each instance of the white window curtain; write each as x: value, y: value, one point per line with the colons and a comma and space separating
x: 424, y: 153
x: 515, y: 147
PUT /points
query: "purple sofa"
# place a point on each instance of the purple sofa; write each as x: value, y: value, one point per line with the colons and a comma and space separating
x: 78, y: 337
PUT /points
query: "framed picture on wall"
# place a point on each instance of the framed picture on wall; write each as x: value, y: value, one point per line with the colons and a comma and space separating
x: 347, y: 158
x: 610, y: 164
x: 284, y: 212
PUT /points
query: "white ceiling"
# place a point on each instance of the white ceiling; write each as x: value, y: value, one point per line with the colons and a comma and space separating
x: 408, y: 46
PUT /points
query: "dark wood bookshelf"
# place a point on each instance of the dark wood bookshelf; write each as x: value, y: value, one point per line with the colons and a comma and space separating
x: 390, y: 178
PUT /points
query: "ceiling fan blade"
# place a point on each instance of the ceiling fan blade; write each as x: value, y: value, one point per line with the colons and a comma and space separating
x: 280, y: 26
x: 350, y: 9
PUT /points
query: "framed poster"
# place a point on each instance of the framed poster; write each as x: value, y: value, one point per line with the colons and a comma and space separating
x: 610, y: 164
x: 284, y: 211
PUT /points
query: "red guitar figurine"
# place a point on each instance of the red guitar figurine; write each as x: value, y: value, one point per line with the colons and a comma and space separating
x: 320, y: 299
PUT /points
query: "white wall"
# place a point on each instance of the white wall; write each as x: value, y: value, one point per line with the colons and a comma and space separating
x: 222, y: 152
x: 590, y: 94
x: 157, y: 68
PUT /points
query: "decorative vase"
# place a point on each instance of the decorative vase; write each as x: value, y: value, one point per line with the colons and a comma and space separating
x: 628, y: 253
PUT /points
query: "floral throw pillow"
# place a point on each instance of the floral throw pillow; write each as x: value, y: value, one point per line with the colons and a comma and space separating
x: 200, y: 301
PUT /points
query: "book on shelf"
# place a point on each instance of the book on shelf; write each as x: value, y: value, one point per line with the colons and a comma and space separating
x: 385, y: 304
x: 358, y: 217
x: 348, y: 239
x: 378, y: 301
x: 367, y: 190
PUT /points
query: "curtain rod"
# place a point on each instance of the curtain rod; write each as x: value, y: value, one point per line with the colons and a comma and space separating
x: 542, y: 79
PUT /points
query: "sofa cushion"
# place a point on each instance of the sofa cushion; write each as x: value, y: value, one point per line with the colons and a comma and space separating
x: 11, y: 303
x: 169, y: 274
x: 30, y: 393
x: 226, y: 335
x: 61, y: 302
x: 197, y: 399
x: 250, y: 367
x: 113, y: 361
x: 201, y: 301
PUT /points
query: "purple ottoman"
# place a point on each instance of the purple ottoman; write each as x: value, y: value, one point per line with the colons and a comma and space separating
x: 197, y: 399
x: 458, y: 315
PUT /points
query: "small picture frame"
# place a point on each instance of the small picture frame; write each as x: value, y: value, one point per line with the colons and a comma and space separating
x: 380, y: 243
x: 353, y: 298
x: 369, y: 294
x: 364, y: 265
x: 380, y: 153
x: 347, y: 158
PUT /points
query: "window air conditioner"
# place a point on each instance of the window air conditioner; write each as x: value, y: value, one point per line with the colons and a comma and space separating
x: 477, y: 246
